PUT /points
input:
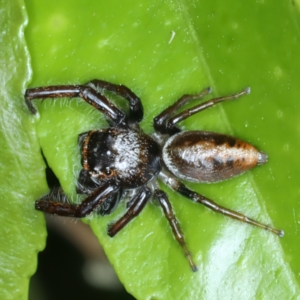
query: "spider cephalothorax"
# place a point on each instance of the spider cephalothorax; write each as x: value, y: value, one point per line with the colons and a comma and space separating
x: 122, y: 161
x: 127, y: 155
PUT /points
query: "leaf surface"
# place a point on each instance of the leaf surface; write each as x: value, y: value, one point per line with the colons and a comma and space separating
x: 22, y: 229
x: 162, y: 50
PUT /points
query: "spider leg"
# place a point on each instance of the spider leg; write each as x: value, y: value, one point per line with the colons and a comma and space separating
x: 136, y: 111
x: 161, y: 120
x: 169, y: 214
x: 51, y: 204
x: 179, y: 187
x: 168, y: 125
x: 138, y: 203
x: 87, y: 93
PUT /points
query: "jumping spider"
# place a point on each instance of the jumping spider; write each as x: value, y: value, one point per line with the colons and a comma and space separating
x: 122, y: 160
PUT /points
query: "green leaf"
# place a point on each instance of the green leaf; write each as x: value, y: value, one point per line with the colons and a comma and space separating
x: 22, y: 229
x: 162, y: 50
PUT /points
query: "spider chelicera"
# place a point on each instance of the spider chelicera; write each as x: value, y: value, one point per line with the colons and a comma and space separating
x: 122, y: 161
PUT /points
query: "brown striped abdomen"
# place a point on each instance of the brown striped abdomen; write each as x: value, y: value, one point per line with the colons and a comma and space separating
x: 202, y: 156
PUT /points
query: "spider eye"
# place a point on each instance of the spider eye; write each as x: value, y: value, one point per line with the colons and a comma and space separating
x: 108, y: 171
x: 100, y: 173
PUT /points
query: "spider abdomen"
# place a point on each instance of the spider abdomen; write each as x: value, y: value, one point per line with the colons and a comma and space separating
x: 202, y: 156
